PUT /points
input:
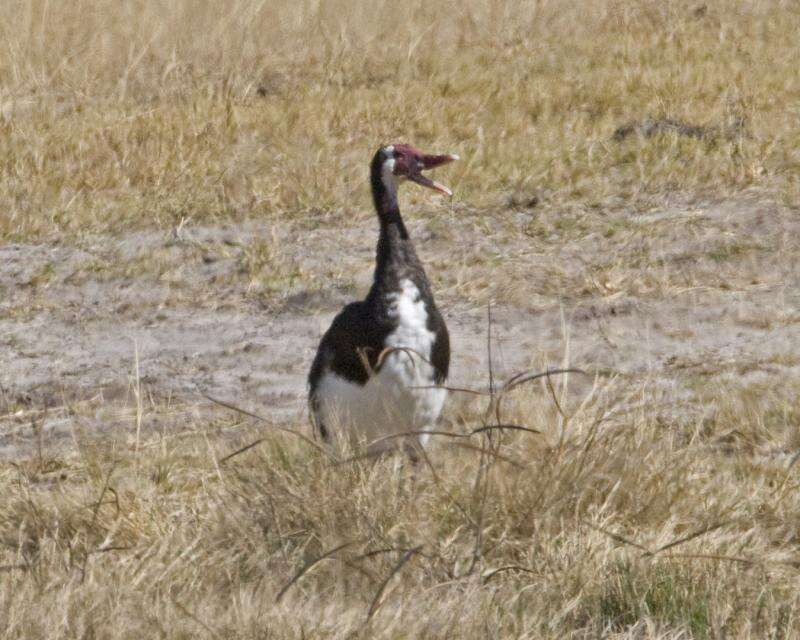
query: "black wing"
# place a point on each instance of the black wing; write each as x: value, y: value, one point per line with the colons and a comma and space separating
x: 440, y: 350
x: 350, y: 338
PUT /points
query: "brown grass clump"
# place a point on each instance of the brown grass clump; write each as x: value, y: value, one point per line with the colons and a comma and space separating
x: 614, y: 521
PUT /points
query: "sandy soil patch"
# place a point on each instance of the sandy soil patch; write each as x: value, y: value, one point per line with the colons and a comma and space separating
x: 109, y: 329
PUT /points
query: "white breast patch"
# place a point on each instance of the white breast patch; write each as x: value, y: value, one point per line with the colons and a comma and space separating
x: 388, y: 403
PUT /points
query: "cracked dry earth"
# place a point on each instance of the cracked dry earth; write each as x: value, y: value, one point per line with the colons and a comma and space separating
x: 109, y: 332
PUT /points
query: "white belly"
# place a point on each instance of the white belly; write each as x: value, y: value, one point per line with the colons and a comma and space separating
x: 387, y: 404
x: 394, y: 400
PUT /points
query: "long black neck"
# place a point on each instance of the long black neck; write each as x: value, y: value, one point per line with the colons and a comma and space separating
x: 396, y: 259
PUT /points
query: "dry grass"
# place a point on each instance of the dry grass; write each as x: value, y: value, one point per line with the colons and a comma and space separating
x: 155, y: 112
x: 618, y: 520
x: 636, y: 513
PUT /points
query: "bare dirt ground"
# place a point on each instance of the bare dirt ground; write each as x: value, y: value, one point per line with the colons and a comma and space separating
x: 103, y: 331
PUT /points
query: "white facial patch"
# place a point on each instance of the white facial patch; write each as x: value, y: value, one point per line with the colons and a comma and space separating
x: 387, y: 175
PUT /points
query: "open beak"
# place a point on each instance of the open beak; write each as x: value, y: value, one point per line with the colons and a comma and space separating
x: 430, y: 162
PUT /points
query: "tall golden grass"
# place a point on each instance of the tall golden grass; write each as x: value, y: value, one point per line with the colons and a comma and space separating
x: 618, y: 520
x: 143, y: 113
